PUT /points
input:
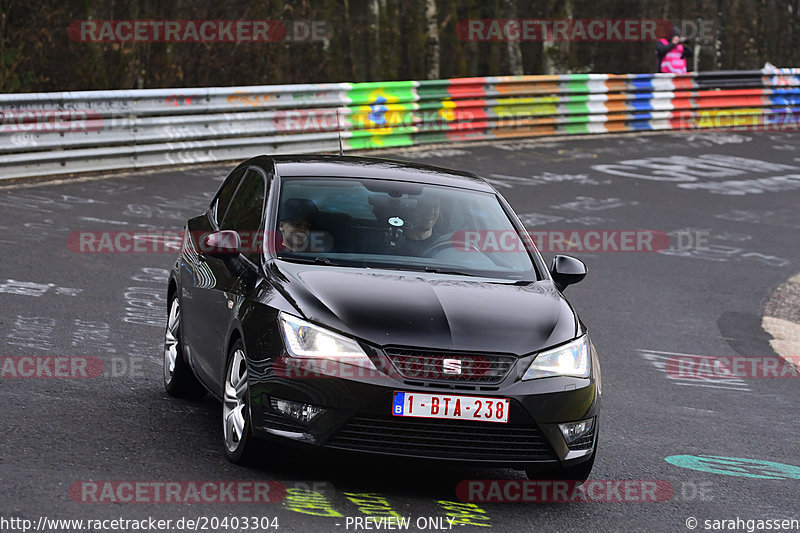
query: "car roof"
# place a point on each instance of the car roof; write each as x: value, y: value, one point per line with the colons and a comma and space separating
x: 373, y: 167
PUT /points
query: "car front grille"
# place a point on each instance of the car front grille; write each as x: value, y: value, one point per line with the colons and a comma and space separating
x: 455, y: 439
x: 424, y: 365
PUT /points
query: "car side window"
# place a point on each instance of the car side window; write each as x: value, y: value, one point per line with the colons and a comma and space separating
x: 223, y: 200
x: 244, y: 213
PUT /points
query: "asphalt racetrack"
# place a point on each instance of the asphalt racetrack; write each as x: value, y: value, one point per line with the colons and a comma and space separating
x: 715, y: 449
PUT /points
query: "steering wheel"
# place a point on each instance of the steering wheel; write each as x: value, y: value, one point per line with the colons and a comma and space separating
x: 461, y: 246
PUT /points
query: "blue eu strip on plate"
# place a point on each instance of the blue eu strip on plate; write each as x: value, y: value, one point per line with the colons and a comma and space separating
x: 399, y: 402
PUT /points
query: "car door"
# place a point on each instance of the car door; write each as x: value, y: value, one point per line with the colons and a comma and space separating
x: 217, y: 284
x: 196, y: 275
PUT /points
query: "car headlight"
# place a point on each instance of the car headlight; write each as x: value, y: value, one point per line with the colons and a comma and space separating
x: 304, y: 339
x: 571, y: 359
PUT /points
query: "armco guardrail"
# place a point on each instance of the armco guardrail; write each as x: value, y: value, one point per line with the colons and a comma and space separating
x: 69, y: 132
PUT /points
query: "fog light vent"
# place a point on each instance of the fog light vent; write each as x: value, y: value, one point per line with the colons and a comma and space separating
x: 574, y: 431
x: 303, y: 412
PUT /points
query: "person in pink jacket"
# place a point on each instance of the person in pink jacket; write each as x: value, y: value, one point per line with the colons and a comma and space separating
x: 672, y: 53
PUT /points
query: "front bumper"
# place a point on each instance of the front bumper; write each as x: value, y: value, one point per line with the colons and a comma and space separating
x: 358, y: 417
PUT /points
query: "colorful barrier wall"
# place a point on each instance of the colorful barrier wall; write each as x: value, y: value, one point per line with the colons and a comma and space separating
x: 72, y: 132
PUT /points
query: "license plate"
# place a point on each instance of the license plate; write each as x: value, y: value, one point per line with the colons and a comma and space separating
x: 476, y: 408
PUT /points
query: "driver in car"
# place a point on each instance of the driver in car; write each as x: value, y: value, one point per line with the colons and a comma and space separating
x: 294, y: 224
x: 420, y: 235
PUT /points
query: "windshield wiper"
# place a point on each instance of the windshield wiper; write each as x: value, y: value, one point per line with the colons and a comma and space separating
x: 439, y: 270
x: 310, y: 260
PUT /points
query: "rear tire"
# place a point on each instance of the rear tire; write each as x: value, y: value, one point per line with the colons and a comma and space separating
x: 239, y: 443
x: 179, y: 380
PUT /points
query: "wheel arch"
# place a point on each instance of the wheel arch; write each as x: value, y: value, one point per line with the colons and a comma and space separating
x: 235, y: 335
x: 172, y: 289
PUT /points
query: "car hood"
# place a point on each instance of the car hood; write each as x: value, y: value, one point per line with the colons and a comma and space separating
x: 435, y: 311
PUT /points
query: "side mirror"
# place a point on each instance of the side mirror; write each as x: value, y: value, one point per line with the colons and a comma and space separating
x: 566, y: 270
x: 221, y: 243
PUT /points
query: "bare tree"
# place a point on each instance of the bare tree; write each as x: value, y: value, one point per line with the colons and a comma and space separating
x: 350, y: 46
x: 432, y: 43
x: 719, y: 39
x: 555, y: 54
x: 374, y: 48
x: 512, y: 46
x: 794, y: 30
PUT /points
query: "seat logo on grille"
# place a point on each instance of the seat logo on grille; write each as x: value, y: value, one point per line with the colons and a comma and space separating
x: 451, y: 366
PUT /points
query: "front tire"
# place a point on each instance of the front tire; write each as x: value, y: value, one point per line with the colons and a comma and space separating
x: 239, y: 443
x: 179, y: 380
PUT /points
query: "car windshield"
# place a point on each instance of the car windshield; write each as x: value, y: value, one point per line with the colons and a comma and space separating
x: 374, y: 223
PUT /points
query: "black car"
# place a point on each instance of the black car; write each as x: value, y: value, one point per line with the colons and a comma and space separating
x: 384, y: 307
